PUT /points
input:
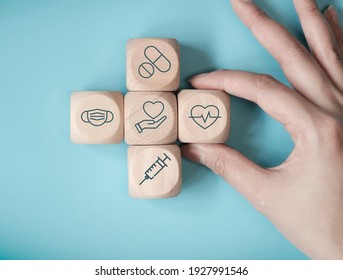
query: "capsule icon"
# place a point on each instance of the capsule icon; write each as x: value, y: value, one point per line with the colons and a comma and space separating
x: 146, y: 70
x: 157, y: 60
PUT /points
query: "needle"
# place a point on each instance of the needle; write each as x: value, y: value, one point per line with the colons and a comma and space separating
x: 142, y: 181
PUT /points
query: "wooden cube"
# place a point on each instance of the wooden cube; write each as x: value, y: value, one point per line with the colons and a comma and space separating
x: 154, y: 171
x: 204, y: 116
x: 150, y: 118
x: 153, y: 64
x: 96, y: 117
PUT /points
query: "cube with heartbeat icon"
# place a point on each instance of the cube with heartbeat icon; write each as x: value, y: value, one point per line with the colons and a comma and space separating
x: 204, y: 116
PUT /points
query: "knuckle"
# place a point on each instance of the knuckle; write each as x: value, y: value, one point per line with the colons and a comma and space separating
x: 259, y: 16
x: 265, y: 80
x: 333, y: 54
x: 296, y: 52
x: 311, y: 9
x: 217, y: 164
x: 220, y: 74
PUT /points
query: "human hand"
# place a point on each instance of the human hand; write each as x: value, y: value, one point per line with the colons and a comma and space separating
x: 303, y: 197
x: 149, y: 124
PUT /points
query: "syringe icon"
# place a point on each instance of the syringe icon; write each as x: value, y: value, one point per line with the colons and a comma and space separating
x: 155, y: 168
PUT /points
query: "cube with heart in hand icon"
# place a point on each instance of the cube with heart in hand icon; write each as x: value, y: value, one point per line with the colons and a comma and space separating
x: 96, y: 117
x: 150, y: 118
x: 153, y: 64
x: 204, y: 116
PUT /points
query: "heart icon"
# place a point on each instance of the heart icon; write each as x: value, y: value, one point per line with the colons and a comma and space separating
x: 153, y: 109
x: 205, y: 116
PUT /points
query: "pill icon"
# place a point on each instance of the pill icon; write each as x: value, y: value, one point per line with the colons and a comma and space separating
x: 146, y: 70
x: 157, y: 59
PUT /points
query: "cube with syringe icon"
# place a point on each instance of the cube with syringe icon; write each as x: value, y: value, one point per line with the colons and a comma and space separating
x: 154, y: 171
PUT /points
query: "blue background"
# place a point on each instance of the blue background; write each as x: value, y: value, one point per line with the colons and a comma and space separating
x: 65, y: 201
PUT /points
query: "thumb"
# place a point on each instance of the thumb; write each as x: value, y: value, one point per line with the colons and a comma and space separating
x: 162, y: 119
x: 244, y: 175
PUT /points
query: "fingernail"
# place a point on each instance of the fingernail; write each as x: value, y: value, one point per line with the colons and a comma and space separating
x: 331, y: 11
x: 197, y: 77
x: 245, y: 1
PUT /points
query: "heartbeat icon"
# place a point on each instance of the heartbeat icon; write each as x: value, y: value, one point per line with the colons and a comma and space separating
x: 204, y: 116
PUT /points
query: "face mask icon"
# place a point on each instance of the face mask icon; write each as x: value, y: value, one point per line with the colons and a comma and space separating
x: 97, y: 117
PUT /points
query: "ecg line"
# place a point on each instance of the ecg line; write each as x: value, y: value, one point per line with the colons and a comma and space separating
x: 208, y: 119
x: 208, y: 116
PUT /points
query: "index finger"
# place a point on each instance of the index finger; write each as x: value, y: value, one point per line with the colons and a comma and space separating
x: 278, y: 100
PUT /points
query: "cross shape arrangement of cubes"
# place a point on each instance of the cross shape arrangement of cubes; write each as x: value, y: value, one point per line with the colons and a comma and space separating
x: 151, y: 117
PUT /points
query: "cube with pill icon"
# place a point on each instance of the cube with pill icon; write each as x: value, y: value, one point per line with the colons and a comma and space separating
x: 203, y: 116
x: 153, y: 64
x: 96, y: 117
x: 154, y: 171
x: 150, y: 118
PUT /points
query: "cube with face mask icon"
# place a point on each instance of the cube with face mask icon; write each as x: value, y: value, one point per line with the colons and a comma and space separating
x: 96, y: 117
